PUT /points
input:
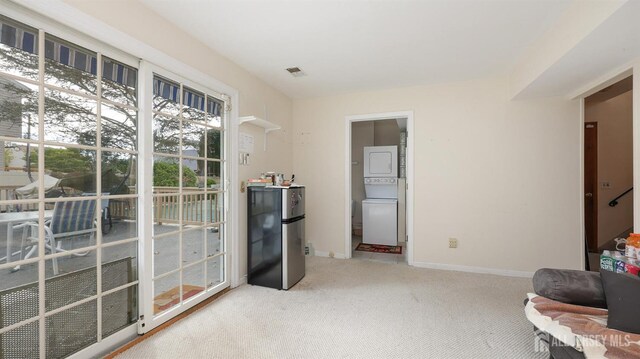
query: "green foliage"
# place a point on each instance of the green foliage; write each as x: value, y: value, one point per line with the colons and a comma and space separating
x: 64, y: 160
x: 167, y: 174
x: 210, y: 182
x: 8, y: 157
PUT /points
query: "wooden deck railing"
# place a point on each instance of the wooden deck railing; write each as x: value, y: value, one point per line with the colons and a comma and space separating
x: 198, y: 208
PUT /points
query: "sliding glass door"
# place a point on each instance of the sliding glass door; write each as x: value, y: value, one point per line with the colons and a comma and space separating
x: 188, y: 197
x: 68, y: 194
x: 113, y: 195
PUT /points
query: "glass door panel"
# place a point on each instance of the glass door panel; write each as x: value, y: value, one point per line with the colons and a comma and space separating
x: 188, y: 211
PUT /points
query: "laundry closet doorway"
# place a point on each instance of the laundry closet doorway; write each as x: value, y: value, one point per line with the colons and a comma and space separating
x: 379, y: 187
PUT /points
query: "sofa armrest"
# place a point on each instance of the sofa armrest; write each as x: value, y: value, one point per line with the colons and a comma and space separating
x: 570, y: 286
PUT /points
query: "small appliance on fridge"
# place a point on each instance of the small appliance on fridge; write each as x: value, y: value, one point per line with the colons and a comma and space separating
x: 380, y: 208
x: 275, y: 234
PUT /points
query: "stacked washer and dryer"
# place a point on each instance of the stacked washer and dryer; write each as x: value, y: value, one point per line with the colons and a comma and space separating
x: 380, y: 208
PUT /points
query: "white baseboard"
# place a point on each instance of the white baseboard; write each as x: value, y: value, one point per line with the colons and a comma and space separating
x: 328, y: 255
x: 470, y: 269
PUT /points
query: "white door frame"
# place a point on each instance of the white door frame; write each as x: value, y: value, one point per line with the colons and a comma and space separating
x: 410, y: 180
x: 151, y: 321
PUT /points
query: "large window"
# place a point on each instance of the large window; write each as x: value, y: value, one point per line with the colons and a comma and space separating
x: 68, y: 194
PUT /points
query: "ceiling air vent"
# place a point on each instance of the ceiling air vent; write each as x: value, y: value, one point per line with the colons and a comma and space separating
x: 296, y: 72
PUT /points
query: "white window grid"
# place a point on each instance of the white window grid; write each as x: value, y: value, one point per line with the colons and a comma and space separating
x: 41, y: 143
x: 206, y: 191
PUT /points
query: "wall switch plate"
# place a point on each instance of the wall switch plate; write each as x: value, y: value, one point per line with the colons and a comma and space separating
x: 453, y: 243
x: 605, y: 185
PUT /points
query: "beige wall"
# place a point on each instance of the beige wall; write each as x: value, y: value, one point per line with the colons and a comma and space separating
x: 362, y: 134
x: 615, y: 162
x: 386, y: 133
x: 501, y: 176
x: 140, y: 22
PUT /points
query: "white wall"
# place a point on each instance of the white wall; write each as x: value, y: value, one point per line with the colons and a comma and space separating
x: 615, y: 162
x: 255, y: 96
x: 501, y: 176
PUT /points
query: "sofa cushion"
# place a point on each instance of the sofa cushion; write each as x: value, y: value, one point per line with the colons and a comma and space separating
x: 570, y: 286
x: 623, y: 295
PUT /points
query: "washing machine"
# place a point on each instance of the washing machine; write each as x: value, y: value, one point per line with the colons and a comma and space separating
x: 380, y: 221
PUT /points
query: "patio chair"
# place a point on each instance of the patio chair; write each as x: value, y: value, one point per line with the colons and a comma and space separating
x: 107, y: 221
x: 70, y: 220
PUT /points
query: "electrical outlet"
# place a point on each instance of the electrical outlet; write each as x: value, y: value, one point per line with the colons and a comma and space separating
x: 453, y: 243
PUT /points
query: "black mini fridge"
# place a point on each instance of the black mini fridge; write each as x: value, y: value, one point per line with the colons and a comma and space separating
x: 275, y: 234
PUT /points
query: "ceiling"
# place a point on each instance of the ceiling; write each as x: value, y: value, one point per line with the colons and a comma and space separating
x: 608, y: 48
x: 355, y: 45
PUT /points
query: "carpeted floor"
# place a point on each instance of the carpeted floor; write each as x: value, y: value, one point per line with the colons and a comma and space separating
x: 358, y: 309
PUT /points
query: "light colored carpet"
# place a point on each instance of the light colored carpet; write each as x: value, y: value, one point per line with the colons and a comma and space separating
x: 358, y: 309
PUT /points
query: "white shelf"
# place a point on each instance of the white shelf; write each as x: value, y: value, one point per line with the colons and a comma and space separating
x: 257, y: 121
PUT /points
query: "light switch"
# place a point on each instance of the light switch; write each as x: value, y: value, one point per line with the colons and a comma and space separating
x: 605, y: 185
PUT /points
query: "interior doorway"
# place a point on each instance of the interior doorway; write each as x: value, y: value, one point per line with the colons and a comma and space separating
x: 608, y: 168
x: 379, y: 187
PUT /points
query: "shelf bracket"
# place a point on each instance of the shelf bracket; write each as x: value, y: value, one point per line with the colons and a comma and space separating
x: 256, y: 121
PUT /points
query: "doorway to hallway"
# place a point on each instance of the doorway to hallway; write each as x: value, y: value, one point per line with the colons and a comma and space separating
x: 608, y: 168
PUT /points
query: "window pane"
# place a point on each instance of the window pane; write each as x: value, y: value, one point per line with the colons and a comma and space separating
x: 165, y: 213
x: 166, y: 175
x: 74, y: 168
x: 193, y: 105
x: 69, y: 66
x: 193, y: 209
x: 193, y: 139
x: 69, y: 118
x: 19, y: 181
x: 76, y: 280
x: 71, y: 330
x: 214, y: 207
x: 215, y: 109
x: 166, y: 135
x: 19, y: 241
x: 192, y: 280
x: 214, y: 144
x: 18, y: 49
x: 214, y: 240
x: 214, y: 176
x: 166, y: 251
x: 215, y: 271
x: 166, y: 96
x: 120, y: 221
x: 119, y: 128
x: 119, y: 310
x: 192, y: 246
x: 119, y: 82
x: 18, y: 294
x: 119, y: 265
x: 119, y: 173
x: 18, y: 109
x: 71, y: 225
x: 193, y: 114
x: 166, y: 292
